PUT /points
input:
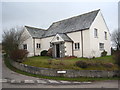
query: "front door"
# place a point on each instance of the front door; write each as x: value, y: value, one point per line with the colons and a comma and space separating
x: 57, y: 50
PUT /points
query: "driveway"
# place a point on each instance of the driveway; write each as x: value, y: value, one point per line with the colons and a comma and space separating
x: 12, y: 79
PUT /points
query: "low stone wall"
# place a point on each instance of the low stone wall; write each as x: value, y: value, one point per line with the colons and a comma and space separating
x: 69, y: 73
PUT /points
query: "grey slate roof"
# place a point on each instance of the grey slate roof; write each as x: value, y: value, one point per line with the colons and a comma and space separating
x: 81, y: 22
x: 76, y: 23
x: 36, y: 32
x: 65, y: 37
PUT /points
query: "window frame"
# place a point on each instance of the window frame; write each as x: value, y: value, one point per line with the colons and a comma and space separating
x: 38, y: 45
x: 25, y: 46
x: 76, y: 46
x: 105, y: 33
x: 101, y: 46
x: 95, y: 32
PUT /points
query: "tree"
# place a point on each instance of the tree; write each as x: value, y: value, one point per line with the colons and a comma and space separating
x: 12, y: 39
x: 116, y: 39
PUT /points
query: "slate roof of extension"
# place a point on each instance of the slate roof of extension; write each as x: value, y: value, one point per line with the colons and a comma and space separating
x: 65, y: 37
x: 81, y: 22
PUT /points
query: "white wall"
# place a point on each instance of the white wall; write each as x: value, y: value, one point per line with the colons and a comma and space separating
x: 86, y: 43
x: 37, y: 50
x: 55, y: 39
x: 99, y: 24
x: 68, y: 48
x: 29, y: 43
x: 45, y: 43
x: 76, y: 37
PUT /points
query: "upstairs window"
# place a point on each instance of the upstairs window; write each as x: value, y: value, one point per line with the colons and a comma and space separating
x: 25, y: 46
x: 101, y: 46
x: 95, y: 33
x: 105, y: 35
x: 77, y: 46
x: 38, y: 45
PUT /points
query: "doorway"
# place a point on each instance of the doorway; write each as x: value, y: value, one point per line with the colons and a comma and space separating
x: 57, y: 50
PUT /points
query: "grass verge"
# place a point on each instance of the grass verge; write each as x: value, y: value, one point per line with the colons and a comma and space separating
x: 81, y: 79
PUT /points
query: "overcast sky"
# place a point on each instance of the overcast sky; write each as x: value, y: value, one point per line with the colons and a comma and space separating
x: 43, y: 14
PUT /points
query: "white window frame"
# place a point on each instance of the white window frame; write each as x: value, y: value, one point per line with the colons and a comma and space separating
x: 76, y: 46
x: 95, y: 33
x: 25, y: 46
x: 38, y: 45
x: 101, y: 46
x: 105, y: 33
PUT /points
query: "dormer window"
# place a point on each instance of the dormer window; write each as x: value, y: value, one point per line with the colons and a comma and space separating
x: 95, y: 33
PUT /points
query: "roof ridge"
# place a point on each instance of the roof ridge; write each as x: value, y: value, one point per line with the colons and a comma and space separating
x: 34, y: 28
x: 76, y: 16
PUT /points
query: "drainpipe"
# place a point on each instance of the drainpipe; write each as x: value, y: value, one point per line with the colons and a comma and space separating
x: 72, y: 50
x: 34, y: 46
x: 82, y: 41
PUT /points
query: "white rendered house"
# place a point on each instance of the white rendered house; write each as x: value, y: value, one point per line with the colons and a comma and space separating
x: 85, y: 35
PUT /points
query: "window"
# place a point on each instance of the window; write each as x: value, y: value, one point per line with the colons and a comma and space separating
x: 50, y: 44
x: 57, y: 38
x: 77, y: 46
x: 38, y: 45
x: 101, y: 46
x: 25, y: 46
x: 95, y: 33
x: 105, y: 35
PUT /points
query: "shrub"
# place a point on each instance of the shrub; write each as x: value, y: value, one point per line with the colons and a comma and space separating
x: 108, y: 65
x: 82, y: 64
x: 44, y: 53
x: 19, y: 55
x: 49, y: 61
x: 116, y: 57
x: 49, y: 53
x: 104, y: 53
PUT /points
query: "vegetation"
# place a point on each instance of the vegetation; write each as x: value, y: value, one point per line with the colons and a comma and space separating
x: 12, y: 39
x: 116, y: 39
x: 44, y: 53
x: 100, y: 63
x: 19, y: 55
x: 82, y: 64
x: 81, y: 79
x: 117, y: 57
x: 104, y: 53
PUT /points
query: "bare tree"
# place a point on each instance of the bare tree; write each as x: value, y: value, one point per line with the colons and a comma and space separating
x: 12, y: 39
x: 116, y: 39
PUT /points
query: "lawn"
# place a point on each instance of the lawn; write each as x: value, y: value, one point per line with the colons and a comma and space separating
x: 65, y: 63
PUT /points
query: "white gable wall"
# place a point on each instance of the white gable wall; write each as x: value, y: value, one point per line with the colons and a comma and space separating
x: 55, y: 39
x: 99, y: 24
x: 29, y: 43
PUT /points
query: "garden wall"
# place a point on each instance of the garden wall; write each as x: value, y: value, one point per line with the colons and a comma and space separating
x: 69, y: 73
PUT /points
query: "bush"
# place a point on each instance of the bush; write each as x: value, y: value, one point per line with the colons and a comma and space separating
x: 108, y: 65
x: 104, y: 53
x: 44, y: 53
x: 82, y: 64
x: 19, y: 55
x: 116, y: 57
x: 49, y: 53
